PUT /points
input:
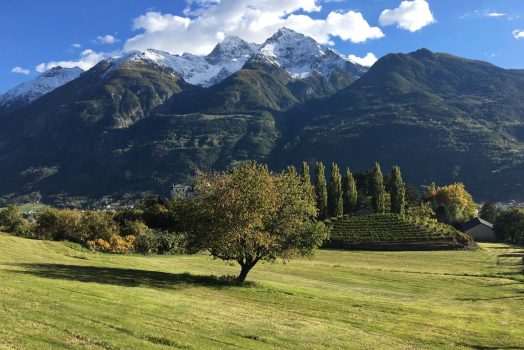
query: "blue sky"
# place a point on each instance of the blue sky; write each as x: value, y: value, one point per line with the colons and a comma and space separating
x: 41, y: 34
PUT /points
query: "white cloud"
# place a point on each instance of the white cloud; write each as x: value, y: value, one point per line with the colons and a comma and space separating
x: 518, y: 34
x: 366, y: 61
x: 106, y: 39
x: 496, y: 14
x: 88, y: 58
x: 410, y: 15
x: 20, y: 70
x: 76, y: 46
x: 207, y: 21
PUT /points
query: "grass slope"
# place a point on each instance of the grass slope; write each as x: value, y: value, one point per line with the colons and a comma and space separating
x: 53, y: 296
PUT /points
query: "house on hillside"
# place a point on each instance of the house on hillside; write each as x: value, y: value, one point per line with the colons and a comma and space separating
x: 182, y: 191
x: 480, y: 230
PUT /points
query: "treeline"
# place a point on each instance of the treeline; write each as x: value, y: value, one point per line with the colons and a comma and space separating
x: 346, y: 193
x: 508, y: 224
x: 151, y: 226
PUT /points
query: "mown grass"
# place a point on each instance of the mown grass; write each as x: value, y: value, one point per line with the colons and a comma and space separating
x: 57, y: 296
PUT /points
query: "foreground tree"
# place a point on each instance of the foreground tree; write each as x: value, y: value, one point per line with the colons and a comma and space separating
x: 378, y: 191
x: 321, y: 191
x: 350, y: 194
x: 509, y: 226
x: 336, y: 204
x: 398, y: 192
x: 249, y: 215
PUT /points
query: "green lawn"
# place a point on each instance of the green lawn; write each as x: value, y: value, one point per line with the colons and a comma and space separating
x: 56, y: 297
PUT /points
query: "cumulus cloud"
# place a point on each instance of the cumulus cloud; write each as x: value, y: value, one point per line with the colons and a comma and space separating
x: 76, y: 46
x: 20, y: 70
x: 88, y: 58
x: 205, y: 22
x: 518, y: 34
x: 106, y: 39
x: 366, y: 61
x: 410, y: 15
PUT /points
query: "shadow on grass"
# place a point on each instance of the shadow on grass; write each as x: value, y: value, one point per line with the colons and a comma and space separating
x: 127, y: 277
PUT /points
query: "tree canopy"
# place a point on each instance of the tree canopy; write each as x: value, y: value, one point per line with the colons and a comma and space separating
x: 509, y: 226
x: 378, y: 191
x: 453, y: 204
x: 250, y: 214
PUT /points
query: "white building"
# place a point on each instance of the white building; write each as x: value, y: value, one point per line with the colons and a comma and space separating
x: 480, y: 230
x: 182, y: 191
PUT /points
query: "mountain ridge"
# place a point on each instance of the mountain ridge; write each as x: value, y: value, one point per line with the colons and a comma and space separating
x: 140, y: 127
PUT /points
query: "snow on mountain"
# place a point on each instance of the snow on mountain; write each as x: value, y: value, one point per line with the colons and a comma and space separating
x: 298, y: 54
x: 301, y: 56
x: 228, y: 57
x: 29, y: 91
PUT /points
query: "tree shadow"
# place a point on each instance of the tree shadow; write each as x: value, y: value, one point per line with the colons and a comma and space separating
x: 483, y: 347
x: 127, y: 277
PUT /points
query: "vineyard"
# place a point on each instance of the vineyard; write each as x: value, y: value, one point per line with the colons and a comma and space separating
x: 391, y: 231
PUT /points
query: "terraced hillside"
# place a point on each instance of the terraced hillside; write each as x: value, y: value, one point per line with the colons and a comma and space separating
x: 391, y: 231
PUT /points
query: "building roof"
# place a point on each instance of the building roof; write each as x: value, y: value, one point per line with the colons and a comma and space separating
x: 475, y: 222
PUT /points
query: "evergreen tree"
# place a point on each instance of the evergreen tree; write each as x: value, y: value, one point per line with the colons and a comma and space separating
x: 398, y: 192
x: 305, y: 174
x: 350, y: 194
x: 321, y: 190
x: 378, y: 191
x: 336, y: 204
x: 488, y: 212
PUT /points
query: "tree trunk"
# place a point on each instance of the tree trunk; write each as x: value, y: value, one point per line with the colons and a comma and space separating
x: 243, y: 272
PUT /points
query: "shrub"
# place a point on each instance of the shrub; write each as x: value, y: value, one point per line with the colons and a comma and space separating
x: 59, y: 225
x: 146, y: 240
x: 11, y: 221
x: 99, y: 245
x: 122, y: 245
x: 171, y: 242
x: 96, y: 224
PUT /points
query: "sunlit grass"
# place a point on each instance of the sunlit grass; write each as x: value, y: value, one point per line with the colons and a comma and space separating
x: 57, y: 296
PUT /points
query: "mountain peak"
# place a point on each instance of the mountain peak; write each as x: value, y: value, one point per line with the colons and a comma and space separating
x: 301, y: 56
x: 232, y: 48
x: 25, y: 93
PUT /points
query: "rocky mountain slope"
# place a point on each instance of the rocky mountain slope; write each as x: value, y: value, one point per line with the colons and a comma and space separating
x: 25, y: 93
x: 139, y: 123
x: 440, y: 117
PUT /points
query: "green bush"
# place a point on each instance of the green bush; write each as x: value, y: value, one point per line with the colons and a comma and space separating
x: 95, y: 225
x: 171, y: 242
x: 59, y: 225
x: 11, y: 221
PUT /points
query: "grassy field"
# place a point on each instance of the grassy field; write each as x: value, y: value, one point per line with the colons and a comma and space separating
x: 56, y: 296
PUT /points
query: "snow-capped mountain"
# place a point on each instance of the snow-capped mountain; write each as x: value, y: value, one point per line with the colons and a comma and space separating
x: 297, y: 54
x: 228, y: 57
x: 301, y: 56
x: 29, y: 91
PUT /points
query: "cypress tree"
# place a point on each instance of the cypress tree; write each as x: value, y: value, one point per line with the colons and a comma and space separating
x: 304, y: 173
x: 378, y: 191
x: 350, y: 193
x: 336, y: 204
x: 291, y: 170
x: 321, y: 190
x: 398, y: 192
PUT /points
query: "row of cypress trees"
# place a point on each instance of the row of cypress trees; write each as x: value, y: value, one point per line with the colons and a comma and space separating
x: 341, y: 196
